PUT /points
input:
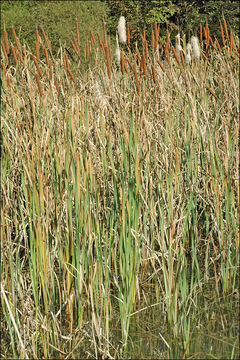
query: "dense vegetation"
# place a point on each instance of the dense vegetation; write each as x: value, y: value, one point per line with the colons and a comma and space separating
x: 120, y: 191
x: 58, y: 17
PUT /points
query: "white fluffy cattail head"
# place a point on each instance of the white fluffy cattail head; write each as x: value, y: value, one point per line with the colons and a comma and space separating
x: 122, y: 30
x: 195, y: 47
x: 117, y: 51
x: 117, y: 55
x: 178, y: 45
x: 188, y: 58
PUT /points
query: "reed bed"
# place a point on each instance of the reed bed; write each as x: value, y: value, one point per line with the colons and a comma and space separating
x: 118, y: 183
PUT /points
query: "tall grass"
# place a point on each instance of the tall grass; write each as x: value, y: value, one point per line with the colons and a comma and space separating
x: 114, y: 181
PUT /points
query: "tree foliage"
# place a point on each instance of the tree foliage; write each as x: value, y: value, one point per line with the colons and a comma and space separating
x: 178, y: 15
x: 56, y: 17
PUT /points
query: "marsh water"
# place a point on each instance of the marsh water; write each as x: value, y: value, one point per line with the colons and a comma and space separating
x: 212, y: 333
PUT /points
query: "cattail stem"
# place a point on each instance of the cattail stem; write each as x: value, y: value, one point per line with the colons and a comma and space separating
x: 105, y: 34
x: 66, y: 63
x: 182, y: 59
x: 212, y: 92
x: 56, y: 84
x: 71, y: 75
x: 37, y: 66
x: 204, y: 55
x: 14, y: 54
x: 136, y: 79
x: 154, y: 74
x: 175, y: 54
x: 19, y: 54
x: 161, y: 66
x: 87, y: 52
x: 212, y: 42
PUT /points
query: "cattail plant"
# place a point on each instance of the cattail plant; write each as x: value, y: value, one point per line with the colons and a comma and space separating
x: 195, y: 47
x: 122, y: 30
x: 117, y: 51
x: 178, y: 45
x: 188, y: 57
